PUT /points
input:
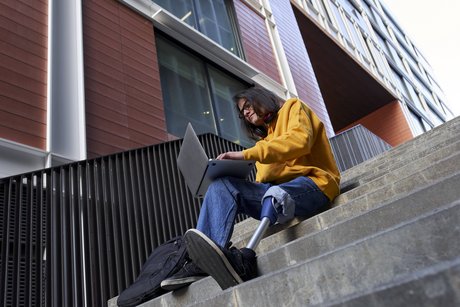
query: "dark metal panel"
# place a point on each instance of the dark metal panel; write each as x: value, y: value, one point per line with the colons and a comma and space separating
x: 355, y: 146
x: 78, y: 234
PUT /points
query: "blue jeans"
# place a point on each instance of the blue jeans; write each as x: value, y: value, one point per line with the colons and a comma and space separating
x: 228, y: 196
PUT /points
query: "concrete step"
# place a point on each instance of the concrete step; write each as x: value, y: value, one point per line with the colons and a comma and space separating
x: 407, y: 170
x: 435, y: 286
x: 389, y: 163
x: 398, y: 157
x: 338, y: 231
x: 333, y: 236
x: 431, y: 139
x: 400, y: 252
x: 380, y: 189
x: 447, y: 170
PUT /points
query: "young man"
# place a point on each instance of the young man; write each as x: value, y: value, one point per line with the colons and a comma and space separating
x: 296, y: 176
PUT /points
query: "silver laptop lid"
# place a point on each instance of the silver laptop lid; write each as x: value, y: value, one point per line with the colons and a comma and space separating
x: 192, y: 160
x: 199, y: 171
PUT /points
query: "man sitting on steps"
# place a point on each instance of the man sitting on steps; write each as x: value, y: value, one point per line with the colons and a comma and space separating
x: 296, y: 176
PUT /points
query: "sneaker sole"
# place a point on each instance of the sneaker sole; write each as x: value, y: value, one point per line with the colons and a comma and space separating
x: 208, y: 256
x: 175, y: 284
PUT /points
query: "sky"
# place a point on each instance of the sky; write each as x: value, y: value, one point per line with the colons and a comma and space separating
x: 434, y: 27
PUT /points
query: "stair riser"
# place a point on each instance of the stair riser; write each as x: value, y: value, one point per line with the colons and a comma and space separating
x: 449, y: 131
x: 337, y: 234
x: 441, y: 288
x: 365, y: 200
x: 358, y: 267
x: 421, y: 158
x: 422, y: 173
x: 246, y: 228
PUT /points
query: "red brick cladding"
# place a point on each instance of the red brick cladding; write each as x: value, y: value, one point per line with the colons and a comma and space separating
x: 23, y: 71
x: 388, y: 122
x: 255, y: 40
x: 299, y: 61
x: 124, y: 107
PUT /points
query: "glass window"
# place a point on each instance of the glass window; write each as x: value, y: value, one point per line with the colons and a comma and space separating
x: 325, y: 11
x: 210, y: 17
x: 383, y: 44
x: 436, y: 119
x: 395, y: 56
x: 357, y: 37
x: 185, y: 90
x: 223, y: 88
x: 182, y: 9
x: 399, y: 80
x: 197, y: 92
x: 367, y: 8
x: 339, y: 19
x: 377, y: 57
x: 417, y: 123
x: 413, y: 96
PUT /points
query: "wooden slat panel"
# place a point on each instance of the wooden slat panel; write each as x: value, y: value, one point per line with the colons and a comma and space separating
x: 124, y: 106
x: 256, y: 42
x: 389, y: 123
x: 23, y: 71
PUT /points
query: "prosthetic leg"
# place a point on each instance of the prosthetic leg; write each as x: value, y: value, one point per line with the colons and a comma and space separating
x: 269, y: 215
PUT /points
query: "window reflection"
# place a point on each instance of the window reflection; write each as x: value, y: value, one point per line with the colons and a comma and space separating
x: 197, y: 92
x: 210, y: 17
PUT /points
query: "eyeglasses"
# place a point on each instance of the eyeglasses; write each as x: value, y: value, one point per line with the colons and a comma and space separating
x: 246, y: 106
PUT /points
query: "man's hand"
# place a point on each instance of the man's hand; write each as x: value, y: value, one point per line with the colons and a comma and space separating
x: 231, y: 155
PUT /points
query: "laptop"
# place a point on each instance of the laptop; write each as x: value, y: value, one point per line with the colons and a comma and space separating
x: 199, y: 171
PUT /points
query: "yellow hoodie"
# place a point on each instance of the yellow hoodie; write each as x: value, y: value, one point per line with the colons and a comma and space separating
x: 296, y: 145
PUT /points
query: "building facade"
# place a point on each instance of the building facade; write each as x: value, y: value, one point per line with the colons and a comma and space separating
x: 81, y: 79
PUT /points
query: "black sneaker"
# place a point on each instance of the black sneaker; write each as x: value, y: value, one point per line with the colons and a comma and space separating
x: 189, y: 273
x: 229, y: 267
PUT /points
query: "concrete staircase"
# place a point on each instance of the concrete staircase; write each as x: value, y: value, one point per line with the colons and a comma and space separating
x: 390, y: 239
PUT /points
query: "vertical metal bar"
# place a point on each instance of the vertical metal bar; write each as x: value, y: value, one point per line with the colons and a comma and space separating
x: 4, y: 207
x: 18, y: 237
x: 116, y: 226
x: 100, y: 238
x: 47, y: 239
x: 162, y: 223
x: 108, y: 222
x: 40, y: 252
x: 30, y: 243
x: 91, y: 260
x: 155, y: 204
x: 147, y: 192
x: 124, y: 232
x: 130, y: 181
x: 10, y: 244
x: 54, y: 254
x: 64, y: 244
x: 82, y: 218
x: 140, y: 204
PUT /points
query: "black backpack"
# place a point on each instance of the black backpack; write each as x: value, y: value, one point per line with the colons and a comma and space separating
x: 164, y: 262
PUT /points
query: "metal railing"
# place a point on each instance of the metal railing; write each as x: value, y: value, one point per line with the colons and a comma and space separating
x: 355, y: 146
x: 78, y: 234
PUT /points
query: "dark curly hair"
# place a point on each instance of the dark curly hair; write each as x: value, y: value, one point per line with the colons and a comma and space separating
x: 264, y: 103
